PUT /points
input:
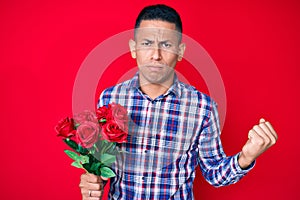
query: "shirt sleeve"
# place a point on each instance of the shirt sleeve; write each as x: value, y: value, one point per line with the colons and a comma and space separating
x: 100, y: 100
x: 217, y: 168
x: 104, y: 98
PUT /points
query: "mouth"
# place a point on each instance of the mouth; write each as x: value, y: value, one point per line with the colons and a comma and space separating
x: 155, y: 68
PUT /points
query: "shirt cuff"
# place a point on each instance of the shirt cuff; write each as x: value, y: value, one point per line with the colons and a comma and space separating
x: 237, y: 167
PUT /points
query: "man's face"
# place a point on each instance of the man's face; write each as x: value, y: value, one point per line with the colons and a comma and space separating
x: 156, y: 49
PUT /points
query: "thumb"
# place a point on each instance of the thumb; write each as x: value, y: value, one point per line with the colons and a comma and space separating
x: 262, y: 120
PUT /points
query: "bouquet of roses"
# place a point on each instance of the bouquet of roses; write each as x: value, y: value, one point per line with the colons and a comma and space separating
x: 94, y: 138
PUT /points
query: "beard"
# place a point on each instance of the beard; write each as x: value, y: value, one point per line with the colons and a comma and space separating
x: 156, y: 73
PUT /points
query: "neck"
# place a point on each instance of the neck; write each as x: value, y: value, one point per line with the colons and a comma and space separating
x: 154, y: 90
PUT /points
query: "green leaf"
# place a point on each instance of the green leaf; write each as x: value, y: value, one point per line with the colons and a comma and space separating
x: 106, y: 172
x: 84, y: 159
x: 77, y: 164
x: 107, y: 159
x: 102, y: 120
x: 73, y: 155
x: 95, y: 166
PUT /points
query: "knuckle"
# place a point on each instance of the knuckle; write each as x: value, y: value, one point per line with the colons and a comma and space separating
x: 255, y: 127
x: 83, y: 191
x: 263, y: 127
x: 268, y: 141
x: 82, y: 183
x: 98, y: 187
x: 94, y: 179
x: 260, y: 142
x: 83, y: 176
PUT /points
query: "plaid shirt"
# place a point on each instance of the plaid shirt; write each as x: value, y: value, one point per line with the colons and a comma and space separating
x: 168, y: 138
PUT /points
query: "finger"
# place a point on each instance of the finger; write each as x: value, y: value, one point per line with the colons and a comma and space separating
x: 91, y: 178
x: 91, y: 193
x: 272, y: 130
x: 96, y: 193
x: 262, y: 120
x: 268, y: 132
x: 252, y: 135
x: 266, y: 139
x: 91, y: 198
x: 91, y: 186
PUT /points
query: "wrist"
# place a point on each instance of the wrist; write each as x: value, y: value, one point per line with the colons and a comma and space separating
x: 243, y: 161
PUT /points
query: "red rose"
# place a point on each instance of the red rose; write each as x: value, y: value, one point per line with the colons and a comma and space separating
x: 103, y: 113
x: 119, y: 114
x: 65, y: 128
x: 112, y: 133
x: 85, y: 116
x: 87, y: 133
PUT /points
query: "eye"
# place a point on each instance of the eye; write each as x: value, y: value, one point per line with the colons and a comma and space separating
x: 166, y: 45
x: 146, y: 43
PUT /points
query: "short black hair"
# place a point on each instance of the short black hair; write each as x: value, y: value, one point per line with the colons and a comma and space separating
x: 159, y: 12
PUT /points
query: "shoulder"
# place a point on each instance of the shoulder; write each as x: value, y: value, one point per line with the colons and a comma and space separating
x: 190, y: 92
x: 117, y: 93
x: 120, y: 87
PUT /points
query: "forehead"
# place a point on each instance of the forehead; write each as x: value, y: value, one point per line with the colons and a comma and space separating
x: 157, y: 24
x: 157, y: 28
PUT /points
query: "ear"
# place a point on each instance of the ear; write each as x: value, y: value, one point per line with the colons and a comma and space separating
x: 132, y: 45
x: 181, y: 51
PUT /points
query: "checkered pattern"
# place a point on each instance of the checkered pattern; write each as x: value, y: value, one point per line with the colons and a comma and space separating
x: 168, y: 138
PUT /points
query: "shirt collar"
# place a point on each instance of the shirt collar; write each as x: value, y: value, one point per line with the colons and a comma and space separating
x: 174, y: 89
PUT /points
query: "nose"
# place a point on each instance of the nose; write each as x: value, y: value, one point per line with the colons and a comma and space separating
x: 156, y: 54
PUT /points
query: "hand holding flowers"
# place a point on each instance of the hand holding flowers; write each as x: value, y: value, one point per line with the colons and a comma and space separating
x: 94, y: 136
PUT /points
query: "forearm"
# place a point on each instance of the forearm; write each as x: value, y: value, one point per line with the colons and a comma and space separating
x: 223, y: 170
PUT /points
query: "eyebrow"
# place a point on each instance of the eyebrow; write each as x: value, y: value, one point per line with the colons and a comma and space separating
x: 166, y: 41
x: 152, y: 41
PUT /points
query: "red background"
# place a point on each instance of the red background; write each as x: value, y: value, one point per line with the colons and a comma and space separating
x: 255, y: 45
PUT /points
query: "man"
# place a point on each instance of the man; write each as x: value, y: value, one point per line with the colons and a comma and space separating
x: 174, y: 127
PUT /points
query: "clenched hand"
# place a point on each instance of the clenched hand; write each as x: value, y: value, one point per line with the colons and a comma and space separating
x: 91, y: 187
x: 260, y: 138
